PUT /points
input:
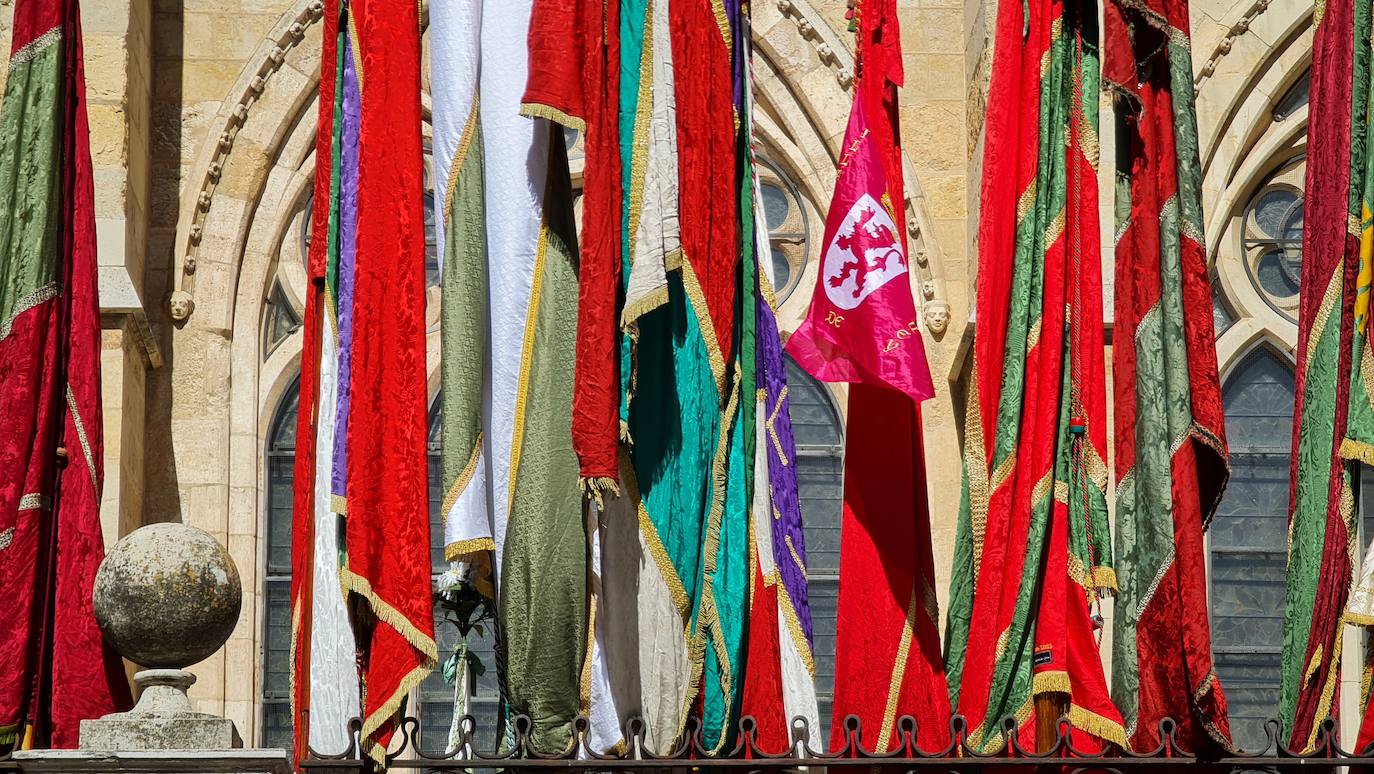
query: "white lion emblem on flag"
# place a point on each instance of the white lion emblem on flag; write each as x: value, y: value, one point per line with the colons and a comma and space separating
x: 865, y: 254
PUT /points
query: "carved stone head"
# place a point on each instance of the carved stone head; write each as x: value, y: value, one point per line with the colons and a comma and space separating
x: 937, y: 317
x: 180, y: 305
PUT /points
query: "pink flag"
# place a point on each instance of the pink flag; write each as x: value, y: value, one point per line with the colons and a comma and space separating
x: 862, y: 323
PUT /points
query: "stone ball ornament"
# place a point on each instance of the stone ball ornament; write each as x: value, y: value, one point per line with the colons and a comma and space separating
x: 167, y: 596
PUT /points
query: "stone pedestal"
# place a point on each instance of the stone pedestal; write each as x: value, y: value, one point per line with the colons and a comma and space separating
x: 162, y: 720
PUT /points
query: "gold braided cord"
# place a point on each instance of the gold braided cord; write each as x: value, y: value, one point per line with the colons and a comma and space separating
x: 894, y: 687
x: 460, y: 156
x: 84, y: 440
x: 34, y: 47
x: 26, y: 302
x: 788, y: 611
x: 464, y: 477
x: 522, y: 391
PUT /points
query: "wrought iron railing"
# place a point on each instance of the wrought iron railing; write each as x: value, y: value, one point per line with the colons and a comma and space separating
x: 691, y: 752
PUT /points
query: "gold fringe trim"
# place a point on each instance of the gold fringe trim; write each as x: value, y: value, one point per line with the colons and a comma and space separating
x: 464, y: 478
x: 1051, y: 682
x: 1333, y: 673
x: 665, y: 565
x: 708, y: 616
x: 1360, y: 451
x: 1097, y: 725
x: 794, y: 628
x: 596, y: 488
x: 639, y: 145
x: 1359, y: 619
x: 372, y: 723
x: 692, y: 286
x: 390, y: 615
x: 1313, y: 665
x: 643, y: 305
x: 461, y: 548
x: 551, y: 113
x: 722, y: 21
x: 1100, y: 578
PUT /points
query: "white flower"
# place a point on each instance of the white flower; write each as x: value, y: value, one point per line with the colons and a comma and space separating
x: 448, y: 581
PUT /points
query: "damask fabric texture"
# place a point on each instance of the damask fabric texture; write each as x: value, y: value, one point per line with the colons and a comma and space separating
x: 574, y: 76
x: 1032, y: 555
x: 861, y: 328
x: 1334, y: 422
x: 511, y: 238
x: 780, y: 675
x: 1171, y: 456
x: 54, y: 667
x: 368, y: 201
x: 326, y: 693
x: 460, y: 230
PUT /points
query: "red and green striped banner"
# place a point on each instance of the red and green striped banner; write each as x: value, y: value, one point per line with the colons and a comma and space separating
x: 1171, y: 458
x: 1033, y: 552
x: 54, y: 668
x: 1333, y: 419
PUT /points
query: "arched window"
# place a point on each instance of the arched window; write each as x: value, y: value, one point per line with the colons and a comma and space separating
x: 1273, y: 237
x: 820, y: 484
x: 1248, y: 543
x: 436, y: 697
x: 788, y: 225
x: 276, y: 586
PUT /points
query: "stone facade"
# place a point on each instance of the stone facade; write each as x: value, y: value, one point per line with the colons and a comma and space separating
x: 202, y: 121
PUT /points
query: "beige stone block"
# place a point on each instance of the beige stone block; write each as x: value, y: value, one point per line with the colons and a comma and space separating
x: 934, y: 30
x: 201, y: 453
x: 106, y: 58
x: 209, y: 80
x: 933, y: 135
x: 107, y: 134
x: 936, y: 76
x: 945, y: 195
x: 110, y: 189
x: 109, y: 17
x: 244, y: 175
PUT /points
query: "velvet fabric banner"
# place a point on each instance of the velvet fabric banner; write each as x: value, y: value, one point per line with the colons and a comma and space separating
x: 55, y: 670
x: 574, y: 75
x: 861, y: 328
x: 379, y: 449
x: 1171, y: 457
x: 1033, y: 554
x: 1322, y: 528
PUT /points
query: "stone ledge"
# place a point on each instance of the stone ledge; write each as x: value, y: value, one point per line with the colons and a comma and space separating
x: 265, y: 761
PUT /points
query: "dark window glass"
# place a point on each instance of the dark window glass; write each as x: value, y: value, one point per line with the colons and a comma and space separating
x: 1248, y: 543
x: 276, y: 639
x: 820, y: 484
